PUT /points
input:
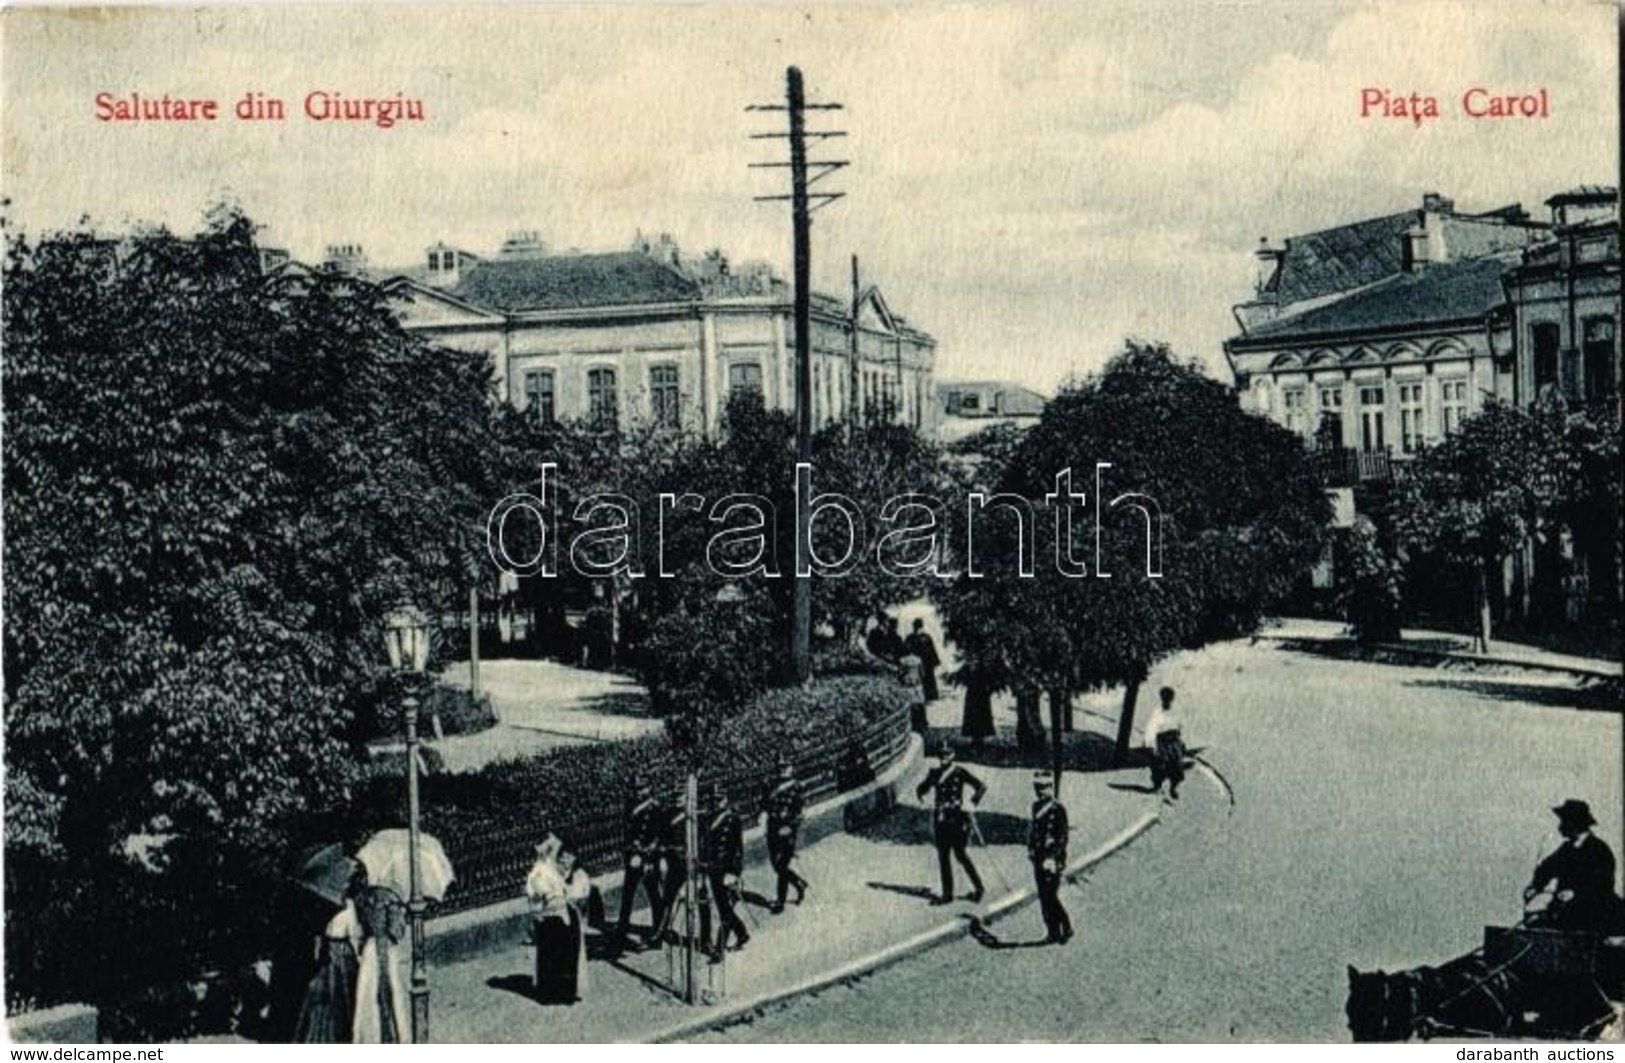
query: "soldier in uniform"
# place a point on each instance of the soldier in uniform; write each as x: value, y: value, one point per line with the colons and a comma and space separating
x: 674, y: 848
x: 1046, y: 846
x: 784, y: 807
x: 641, y: 827
x: 723, y: 851
x: 951, y: 822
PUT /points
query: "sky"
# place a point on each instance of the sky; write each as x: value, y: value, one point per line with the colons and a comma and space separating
x: 1030, y: 183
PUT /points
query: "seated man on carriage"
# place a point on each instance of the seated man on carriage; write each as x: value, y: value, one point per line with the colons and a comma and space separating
x: 1579, y: 877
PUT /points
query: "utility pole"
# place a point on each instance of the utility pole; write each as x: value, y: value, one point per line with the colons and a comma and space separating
x: 796, y: 106
x: 853, y: 360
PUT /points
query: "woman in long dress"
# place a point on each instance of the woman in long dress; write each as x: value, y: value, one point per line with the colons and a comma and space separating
x: 381, y: 1015
x: 555, y: 926
x: 327, y: 1014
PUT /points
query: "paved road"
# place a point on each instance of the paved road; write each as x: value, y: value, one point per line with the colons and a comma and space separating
x: 1383, y: 815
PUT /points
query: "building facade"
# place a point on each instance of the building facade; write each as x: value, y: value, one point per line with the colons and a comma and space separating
x: 1374, y: 339
x: 642, y: 337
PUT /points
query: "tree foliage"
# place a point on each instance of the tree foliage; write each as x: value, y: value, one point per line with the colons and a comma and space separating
x: 217, y: 478
x: 1241, y: 520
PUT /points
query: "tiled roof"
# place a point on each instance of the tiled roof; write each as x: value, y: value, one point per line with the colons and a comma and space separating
x: 565, y: 282
x: 1439, y: 293
x: 1336, y: 260
x: 1584, y: 194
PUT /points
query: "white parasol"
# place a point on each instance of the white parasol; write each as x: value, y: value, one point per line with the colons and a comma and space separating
x: 386, y: 857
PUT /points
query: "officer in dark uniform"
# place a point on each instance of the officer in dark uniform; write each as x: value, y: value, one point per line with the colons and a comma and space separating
x: 951, y: 823
x: 784, y: 807
x: 641, y: 826
x: 1046, y: 847
x: 723, y: 851
x: 674, y: 848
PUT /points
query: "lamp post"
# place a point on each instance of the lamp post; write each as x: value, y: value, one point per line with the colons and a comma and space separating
x: 406, y: 634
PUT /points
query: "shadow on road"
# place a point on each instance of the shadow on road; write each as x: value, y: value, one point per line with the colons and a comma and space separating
x: 924, y: 893
x: 518, y: 984
x: 1081, y: 751
x: 635, y: 706
x: 988, y: 940
x: 1602, y: 696
x: 911, y: 825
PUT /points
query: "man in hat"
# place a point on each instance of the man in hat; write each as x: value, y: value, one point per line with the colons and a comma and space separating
x: 784, y: 808
x: 1046, y: 847
x: 951, y: 822
x: 641, y: 827
x: 920, y: 644
x: 1579, y: 875
x: 723, y: 851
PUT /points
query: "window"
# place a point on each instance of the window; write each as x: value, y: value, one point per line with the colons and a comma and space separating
x: 538, y: 388
x: 1329, y: 429
x: 603, y: 409
x: 1599, y: 357
x: 663, y: 395
x: 1295, y: 401
x: 1453, y: 403
x: 1371, y: 434
x: 744, y: 376
x: 1410, y: 418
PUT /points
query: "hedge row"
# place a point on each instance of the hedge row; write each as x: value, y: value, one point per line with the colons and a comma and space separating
x: 489, y: 821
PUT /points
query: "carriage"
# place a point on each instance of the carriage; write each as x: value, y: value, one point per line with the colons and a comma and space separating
x: 1524, y: 981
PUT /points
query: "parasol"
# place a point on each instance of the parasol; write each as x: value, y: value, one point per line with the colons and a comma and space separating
x: 386, y: 857
x: 325, y: 871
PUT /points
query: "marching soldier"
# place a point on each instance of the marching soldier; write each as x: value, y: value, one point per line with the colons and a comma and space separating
x: 674, y: 847
x: 1046, y: 846
x: 723, y: 846
x: 642, y: 824
x: 952, y: 821
x: 784, y: 808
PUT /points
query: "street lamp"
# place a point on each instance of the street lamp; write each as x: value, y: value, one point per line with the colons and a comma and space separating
x: 406, y: 635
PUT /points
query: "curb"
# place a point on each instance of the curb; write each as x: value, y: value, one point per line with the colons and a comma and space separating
x: 924, y: 940
x: 1600, y: 671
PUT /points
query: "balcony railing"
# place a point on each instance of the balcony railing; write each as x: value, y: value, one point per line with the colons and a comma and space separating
x: 1346, y: 467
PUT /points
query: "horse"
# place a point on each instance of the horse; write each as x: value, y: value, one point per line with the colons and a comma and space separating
x: 1473, y: 996
x: 1466, y: 996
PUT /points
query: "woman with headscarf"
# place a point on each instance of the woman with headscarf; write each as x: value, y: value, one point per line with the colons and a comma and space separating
x: 381, y: 1009
x: 556, y: 923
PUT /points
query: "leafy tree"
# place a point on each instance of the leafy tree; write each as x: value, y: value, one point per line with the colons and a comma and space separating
x: 1369, y: 597
x: 1481, y: 494
x: 1239, y: 511
x: 217, y: 478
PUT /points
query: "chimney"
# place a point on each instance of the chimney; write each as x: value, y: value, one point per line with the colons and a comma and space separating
x: 1433, y: 203
x: 1269, y: 260
x: 347, y: 257
x: 523, y: 243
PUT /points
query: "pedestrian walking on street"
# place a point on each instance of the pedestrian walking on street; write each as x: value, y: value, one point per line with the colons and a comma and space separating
x: 977, y: 724
x: 724, y: 855
x: 674, y: 848
x: 1046, y: 847
x: 920, y: 644
x: 382, y: 1012
x: 642, y: 824
x: 951, y: 822
x: 327, y: 1013
x: 784, y: 808
x: 908, y: 674
x: 1167, y: 745
x: 556, y: 889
